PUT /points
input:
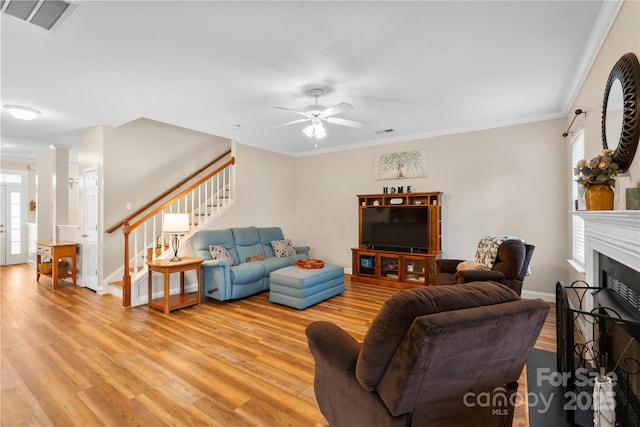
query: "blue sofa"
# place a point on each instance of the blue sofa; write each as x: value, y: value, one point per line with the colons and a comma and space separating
x: 224, y: 282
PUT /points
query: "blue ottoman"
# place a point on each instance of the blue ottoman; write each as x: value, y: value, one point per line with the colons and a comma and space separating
x: 301, y: 288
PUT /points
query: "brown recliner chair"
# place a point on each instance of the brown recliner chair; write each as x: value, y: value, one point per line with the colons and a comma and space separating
x: 511, y: 266
x: 431, y: 358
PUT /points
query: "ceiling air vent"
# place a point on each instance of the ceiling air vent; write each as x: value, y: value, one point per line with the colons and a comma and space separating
x: 47, y: 14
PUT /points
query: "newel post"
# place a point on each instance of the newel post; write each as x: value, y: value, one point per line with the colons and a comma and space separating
x: 126, y: 278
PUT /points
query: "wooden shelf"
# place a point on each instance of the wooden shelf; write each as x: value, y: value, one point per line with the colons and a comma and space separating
x: 176, y: 301
x: 399, y: 199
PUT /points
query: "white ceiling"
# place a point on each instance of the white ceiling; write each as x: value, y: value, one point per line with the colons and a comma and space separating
x: 421, y: 68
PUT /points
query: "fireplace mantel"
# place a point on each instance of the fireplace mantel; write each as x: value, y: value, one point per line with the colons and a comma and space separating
x: 615, y: 234
x: 624, y: 219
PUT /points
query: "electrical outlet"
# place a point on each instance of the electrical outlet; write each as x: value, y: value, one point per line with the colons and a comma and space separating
x: 129, y: 206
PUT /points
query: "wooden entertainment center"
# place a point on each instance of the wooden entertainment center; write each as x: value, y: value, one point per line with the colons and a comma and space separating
x: 402, y: 267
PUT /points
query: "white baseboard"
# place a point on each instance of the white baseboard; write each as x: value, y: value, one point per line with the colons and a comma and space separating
x: 545, y: 296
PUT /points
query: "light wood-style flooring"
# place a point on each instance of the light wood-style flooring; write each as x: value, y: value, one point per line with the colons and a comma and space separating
x: 70, y: 357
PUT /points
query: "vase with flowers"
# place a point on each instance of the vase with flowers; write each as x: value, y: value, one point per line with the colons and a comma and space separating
x: 598, y: 178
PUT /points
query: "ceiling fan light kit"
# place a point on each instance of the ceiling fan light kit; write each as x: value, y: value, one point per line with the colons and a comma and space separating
x: 315, y: 130
x: 316, y: 114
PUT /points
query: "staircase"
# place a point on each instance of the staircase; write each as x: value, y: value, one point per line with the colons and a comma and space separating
x: 204, y: 196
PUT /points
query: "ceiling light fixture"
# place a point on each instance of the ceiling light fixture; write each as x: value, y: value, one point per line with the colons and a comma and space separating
x: 22, y: 113
x: 315, y: 130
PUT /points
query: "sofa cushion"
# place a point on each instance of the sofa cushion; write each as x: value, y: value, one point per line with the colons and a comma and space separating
x: 247, y: 242
x: 247, y: 272
x: 245, y: 236
x: 249, y: 251
x: 267, y: 234
x: 400, y: 310
x: 274, y: 263
x: 282, y: 248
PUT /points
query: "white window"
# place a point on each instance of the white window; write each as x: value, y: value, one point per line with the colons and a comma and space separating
x: 10, y: 178
x: 577, y: 153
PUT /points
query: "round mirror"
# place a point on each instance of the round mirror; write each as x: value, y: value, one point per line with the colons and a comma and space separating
x: 620, y: 114
x: 613, y: 124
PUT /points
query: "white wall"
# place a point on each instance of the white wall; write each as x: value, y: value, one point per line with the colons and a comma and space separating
x: 505, y: 181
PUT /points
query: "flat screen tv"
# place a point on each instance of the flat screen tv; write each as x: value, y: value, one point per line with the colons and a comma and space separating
x: 396, y: 228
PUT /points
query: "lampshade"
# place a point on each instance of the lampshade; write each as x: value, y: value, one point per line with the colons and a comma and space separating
x: 315, y: 130
x: 176, y: 223
x: 22, y: 113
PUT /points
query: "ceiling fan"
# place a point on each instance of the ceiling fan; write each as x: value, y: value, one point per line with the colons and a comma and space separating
x: 316, y: 114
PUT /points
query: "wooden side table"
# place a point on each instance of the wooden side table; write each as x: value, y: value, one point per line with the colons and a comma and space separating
x: 56, y: 250
x: 170, y: 302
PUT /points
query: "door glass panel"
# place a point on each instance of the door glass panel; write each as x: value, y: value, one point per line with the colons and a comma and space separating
x: 368, y: 264
x: 10, y: 178
x: 415, y: 270
x: 389, y: 267
x: 15, y: 225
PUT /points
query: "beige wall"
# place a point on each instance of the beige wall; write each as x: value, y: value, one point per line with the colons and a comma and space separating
x: 623, y: 37
x: 505, y: 181
x: 136, y: 162
x: 265, y: 191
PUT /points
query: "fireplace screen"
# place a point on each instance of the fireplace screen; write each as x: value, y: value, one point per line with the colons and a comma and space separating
x: 595, y: 334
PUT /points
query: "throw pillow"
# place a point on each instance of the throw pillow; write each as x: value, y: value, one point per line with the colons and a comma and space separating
x: 258, y: 257
x: 472, y: 265
x: 220, y: 253
x: 282, y: 248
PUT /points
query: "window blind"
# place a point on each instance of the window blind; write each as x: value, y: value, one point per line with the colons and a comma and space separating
x: 577, y: 153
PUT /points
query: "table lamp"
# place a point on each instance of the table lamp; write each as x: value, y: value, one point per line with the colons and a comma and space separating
x: 175, y: 224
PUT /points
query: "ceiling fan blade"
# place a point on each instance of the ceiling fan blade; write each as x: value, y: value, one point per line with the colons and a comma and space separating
x: 345, y: 122
x: 292, y: 123
x: 337, y: 109
x: 302, y: 113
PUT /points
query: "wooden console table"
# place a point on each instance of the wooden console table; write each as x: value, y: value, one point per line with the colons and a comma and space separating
x: 170, y: 302
x: 56, y: 250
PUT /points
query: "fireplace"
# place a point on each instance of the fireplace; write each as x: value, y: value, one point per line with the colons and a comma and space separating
x: 618, y: 334
x: 598, y: 320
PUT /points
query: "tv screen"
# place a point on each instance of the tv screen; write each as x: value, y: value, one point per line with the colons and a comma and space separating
x: 396, y: 227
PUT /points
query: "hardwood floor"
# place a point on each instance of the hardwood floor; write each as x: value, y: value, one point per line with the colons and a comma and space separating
x: 71, y: 357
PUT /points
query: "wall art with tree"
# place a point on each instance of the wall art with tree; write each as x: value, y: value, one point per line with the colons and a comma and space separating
x: 405, y: 164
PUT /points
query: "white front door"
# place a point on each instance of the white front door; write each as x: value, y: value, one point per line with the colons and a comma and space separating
x: 90, y: 232
x: 12, y: 224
